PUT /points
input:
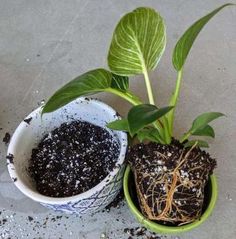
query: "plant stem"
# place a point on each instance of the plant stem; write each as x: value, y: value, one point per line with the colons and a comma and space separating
x: 134, y: 101
x: 173, y: 101
x: 158, y: 124
x: 184, y: 137
x: 160, y: 139
x: 148, y: 86
x: 166, y: 130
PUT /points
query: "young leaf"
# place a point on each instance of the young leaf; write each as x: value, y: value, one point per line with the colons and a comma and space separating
x: 144, y: 114
x: 202, y: 120
x: 185, y: 43
x: 205, y: 131
x: 138, y: 42
x: 119, y: 125
x: 199, y: 143
x: 200, y: 125
x: 91, y: 82
x: 150, y: 134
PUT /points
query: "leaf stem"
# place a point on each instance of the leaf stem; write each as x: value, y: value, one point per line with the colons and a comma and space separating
x: 184, y: 137
x: 148, y: 86
x: 167, y: 135
x: 134, y: 100
x: 160, y: 138
x: 173, y: 101
x: 158, y: 125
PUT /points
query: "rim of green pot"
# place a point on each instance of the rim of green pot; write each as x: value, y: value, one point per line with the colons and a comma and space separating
x: 158, y: 228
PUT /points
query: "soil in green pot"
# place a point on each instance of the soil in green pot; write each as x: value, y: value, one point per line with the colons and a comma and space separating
x: 170, y: 181
x: 73, y: 158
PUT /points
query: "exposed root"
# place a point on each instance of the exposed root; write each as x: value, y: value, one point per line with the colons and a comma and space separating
x: 171, y: 189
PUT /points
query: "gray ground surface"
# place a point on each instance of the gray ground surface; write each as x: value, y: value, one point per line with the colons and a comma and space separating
x: 44, y: 44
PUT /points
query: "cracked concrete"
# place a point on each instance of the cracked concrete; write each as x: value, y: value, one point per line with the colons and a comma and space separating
x: 44, y: 44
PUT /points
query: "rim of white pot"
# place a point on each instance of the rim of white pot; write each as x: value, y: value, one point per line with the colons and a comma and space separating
x: 63, y: 200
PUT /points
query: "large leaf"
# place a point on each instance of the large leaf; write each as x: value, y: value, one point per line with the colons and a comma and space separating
x: 120, y: 82
x: 119, y: 125
x: 138, y: 42
x: 92, y: 82
x: 205, y: 131
x: 141, y: 115
x: 185, y: 43
x: 150, y: 134
x: 198, y: 143
x: 202, y: 120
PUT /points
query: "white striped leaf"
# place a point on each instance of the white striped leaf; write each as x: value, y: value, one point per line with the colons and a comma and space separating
x: 91, y: 82
x: 138, y: 42
x: 120, y: 82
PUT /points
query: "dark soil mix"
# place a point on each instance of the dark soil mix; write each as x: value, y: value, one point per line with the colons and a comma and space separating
x: 141, y: 232
x: 116, y: 202
x: 6, y: 138
x: 73, y: 158
x: 28, y: 120
x: 170, y: 181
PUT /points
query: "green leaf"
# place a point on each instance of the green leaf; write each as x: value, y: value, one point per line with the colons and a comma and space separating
x: 141, y: 115
x: 205, y: 131
x: 185, y: 43
x: 200, y: 125
x: 202, y: 120
x: 150, y: 134
x: 91, y: 82
x: 119, y: 125
x: 138, y: 42
x: 120, y: 82
x: 199, y: 143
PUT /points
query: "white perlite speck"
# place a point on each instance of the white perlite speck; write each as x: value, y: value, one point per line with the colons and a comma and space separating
x: 103, y: 236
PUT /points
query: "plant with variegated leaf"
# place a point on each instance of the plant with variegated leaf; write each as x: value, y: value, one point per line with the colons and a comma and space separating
x: 159, y: 167
x: 137, y: 45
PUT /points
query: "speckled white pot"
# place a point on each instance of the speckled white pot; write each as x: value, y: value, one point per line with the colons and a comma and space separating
x: 27, y: 136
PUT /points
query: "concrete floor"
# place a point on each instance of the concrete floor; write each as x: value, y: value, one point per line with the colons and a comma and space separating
x: 44, y: 44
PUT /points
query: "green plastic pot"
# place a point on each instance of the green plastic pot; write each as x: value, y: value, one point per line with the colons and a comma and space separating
x: 212, y: 192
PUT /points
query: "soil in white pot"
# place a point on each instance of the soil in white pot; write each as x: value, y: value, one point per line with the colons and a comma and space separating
x: 73, y: 159
x: 170, y: 181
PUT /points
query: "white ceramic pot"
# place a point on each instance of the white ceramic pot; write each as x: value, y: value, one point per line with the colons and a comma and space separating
x: 27, y: 136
